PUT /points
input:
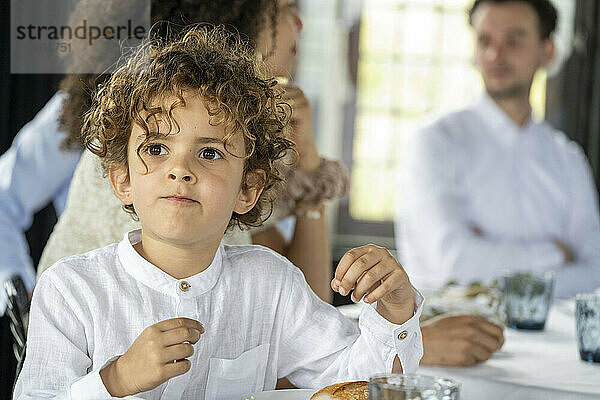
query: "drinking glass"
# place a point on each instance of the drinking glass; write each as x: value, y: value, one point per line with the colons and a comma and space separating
x: 526, y: 299
x: 587, y: 317
x: 412, y: 387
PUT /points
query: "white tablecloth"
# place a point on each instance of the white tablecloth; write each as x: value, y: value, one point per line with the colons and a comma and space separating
x: 531, y: 365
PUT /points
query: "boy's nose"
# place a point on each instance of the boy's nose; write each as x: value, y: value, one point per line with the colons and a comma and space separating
x: 179, y: 170
x: 183, y: 177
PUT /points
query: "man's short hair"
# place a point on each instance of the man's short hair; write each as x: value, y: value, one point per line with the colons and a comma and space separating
x: 544, y: 9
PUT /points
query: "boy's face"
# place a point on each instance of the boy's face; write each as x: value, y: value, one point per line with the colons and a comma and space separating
x: 192, y: 185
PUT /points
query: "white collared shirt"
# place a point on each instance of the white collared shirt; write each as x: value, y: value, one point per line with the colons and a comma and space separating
x: 261, y: 321
x: 522, y: 187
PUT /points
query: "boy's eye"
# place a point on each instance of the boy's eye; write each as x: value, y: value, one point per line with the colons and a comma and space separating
x: 156, y: 149
x: 210, y: 154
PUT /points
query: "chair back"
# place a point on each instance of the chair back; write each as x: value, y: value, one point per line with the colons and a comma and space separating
x: 17, y: 311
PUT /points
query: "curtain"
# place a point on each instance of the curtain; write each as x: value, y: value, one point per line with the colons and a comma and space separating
x: 574, y: 95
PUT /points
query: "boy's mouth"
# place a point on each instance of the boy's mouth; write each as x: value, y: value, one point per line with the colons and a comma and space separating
x: 180, y: 199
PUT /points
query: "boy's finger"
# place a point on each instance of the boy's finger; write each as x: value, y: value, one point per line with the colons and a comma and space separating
x: 370, y: 280
x: 362, y: 264
x: 180, y: 367
x: 182, y: 322
x: 180, y: 335
x: 345, y: 263
x: 372, y: 288
x: 388, y: 284
x: 177, y: 352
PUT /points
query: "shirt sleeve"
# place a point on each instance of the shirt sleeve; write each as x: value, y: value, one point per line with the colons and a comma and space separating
x: 320, y: 346
x: 582, y: 233
x: 33, y: 172
x: 436, y: 229
x: 57, y: 364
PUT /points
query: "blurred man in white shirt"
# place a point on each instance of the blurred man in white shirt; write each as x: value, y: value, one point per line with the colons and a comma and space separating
x: 489, y: 190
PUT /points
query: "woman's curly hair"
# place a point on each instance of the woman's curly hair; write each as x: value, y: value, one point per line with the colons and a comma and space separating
x: 246, y: 17
x: 204, y: 60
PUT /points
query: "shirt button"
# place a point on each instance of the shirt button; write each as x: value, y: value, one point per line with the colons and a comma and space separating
x: 402, y: 335
x: 184, y: 286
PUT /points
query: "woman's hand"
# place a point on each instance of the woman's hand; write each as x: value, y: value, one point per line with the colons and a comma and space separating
x: 459, y: 340
x: 158, y: 354
x: 373, y: 272
x: 302, y: 129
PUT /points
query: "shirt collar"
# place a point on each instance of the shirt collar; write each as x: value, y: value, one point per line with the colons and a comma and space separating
x: 498, y: 121
x: 150, y: 275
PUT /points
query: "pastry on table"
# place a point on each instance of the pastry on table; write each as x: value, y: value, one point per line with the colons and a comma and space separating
x: 343, y: 391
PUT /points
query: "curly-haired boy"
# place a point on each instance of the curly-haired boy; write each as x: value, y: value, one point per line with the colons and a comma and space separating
x: 188, y: 131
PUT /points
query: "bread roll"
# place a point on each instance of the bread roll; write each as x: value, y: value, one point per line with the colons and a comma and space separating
x: 343, y: 391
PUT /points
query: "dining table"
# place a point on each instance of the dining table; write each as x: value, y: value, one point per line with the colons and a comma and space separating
x: 531, y: 365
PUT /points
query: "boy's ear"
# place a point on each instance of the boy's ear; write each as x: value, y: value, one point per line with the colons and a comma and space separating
x: 120, y: 182
x: 250, y: 192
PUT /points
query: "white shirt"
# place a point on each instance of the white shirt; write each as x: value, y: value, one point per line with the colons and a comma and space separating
x: 33, y: 172
x: 261, y: 319
x: 522, y: 187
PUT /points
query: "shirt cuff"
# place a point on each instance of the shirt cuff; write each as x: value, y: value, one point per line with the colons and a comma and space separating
x: 90, y: 386
x: 404, y: 340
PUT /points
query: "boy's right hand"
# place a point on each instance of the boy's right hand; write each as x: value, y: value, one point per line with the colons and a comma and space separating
x: 150, y: 359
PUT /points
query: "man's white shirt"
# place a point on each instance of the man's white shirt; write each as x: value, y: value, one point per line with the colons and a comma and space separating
x: 522, y: 187
x: 261, y: 320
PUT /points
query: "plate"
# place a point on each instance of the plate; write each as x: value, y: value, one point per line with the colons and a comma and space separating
x: 286, y: 394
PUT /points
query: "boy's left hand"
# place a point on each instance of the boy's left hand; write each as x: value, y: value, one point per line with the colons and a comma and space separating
x: 372, y: 271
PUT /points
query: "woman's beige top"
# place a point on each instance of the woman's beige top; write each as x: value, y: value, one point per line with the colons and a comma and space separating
x: 94, y: 218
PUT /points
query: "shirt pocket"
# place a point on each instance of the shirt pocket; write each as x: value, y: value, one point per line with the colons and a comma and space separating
x: 245, y: 374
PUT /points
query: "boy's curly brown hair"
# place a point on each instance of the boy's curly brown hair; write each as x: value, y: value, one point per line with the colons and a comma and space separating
x: 246, y: 17
x: 223, y: 70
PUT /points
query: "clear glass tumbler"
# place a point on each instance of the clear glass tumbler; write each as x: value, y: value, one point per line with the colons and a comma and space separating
x: 412, y: 387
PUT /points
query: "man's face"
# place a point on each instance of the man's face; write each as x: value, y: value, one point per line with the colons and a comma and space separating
x: 192, y: 183
x: 509, y: 47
